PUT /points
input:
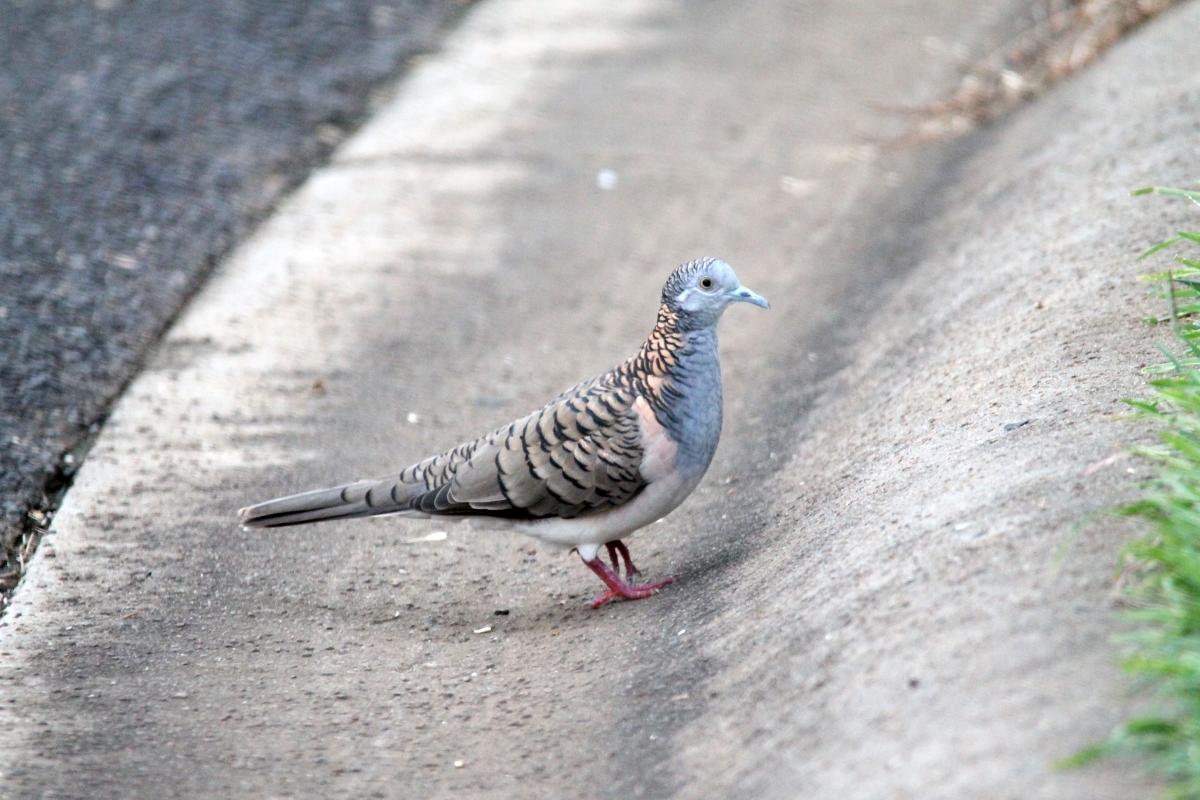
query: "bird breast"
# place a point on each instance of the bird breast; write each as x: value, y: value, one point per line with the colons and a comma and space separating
x: 659, y: 450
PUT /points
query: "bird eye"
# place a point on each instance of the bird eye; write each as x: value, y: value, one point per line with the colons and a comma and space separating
x: 706, y: 283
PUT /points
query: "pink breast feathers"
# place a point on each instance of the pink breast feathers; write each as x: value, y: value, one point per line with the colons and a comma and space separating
x: 658, y: 449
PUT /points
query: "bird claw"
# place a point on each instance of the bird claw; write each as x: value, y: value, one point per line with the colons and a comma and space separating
x: 630, y: 592
x: 618, y: 589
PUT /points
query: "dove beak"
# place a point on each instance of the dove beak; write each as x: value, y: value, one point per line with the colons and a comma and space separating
x: 745, y: 295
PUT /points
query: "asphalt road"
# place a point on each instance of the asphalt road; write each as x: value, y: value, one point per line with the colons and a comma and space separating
x: 138, y: 142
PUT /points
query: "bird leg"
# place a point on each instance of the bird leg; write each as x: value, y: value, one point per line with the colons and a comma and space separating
x: 617, y: 546
x: 617, y: 588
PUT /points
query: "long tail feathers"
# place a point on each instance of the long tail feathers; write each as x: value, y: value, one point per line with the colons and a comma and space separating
x: 359, y: 499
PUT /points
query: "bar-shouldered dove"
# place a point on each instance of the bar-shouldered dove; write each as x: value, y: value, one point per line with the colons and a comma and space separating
x: 589, y: 468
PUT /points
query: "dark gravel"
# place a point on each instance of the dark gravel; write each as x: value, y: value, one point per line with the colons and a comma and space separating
x: 138, y: 142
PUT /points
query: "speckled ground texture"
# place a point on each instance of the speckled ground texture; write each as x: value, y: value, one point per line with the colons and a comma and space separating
x: 138, y: 141
x: 882, y: 591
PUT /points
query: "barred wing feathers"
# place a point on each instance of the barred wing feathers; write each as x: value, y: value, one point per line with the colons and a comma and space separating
x: 578, y: 454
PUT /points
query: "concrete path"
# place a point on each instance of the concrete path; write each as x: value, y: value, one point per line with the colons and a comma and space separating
x: 871, y: 600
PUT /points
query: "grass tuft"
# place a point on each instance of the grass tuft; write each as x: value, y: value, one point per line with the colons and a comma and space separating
x: 1162, y: 649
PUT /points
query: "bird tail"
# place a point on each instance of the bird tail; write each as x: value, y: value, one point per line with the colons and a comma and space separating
x: 358, y: 499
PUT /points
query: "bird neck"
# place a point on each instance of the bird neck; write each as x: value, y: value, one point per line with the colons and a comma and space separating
x: 670, y: 344
x: 678, y: 372
x: 660, y: 352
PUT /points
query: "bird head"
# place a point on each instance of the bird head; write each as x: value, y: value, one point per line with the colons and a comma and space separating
x: 699, y: 291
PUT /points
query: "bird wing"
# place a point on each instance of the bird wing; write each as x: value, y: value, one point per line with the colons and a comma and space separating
x: 579, y: 453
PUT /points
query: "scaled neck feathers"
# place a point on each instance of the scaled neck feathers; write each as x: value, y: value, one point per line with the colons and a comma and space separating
x: 670, y: 362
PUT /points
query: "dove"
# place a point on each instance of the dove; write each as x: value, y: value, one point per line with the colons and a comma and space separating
x: 597, y: 463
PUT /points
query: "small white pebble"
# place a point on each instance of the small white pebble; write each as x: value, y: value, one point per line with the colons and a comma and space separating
x: 682, y: 631
x: 412, y: 418
x: 435, y: 536
x: 459, y: 763
x: 606, y: 180
x: 797, y: 187
x: 1012, y: 80
x: 484, y: 629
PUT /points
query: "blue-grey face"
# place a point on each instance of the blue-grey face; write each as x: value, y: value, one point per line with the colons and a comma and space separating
x: 701, y: 290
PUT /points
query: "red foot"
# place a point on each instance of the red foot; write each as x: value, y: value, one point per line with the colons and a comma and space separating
x: 617, y: 588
